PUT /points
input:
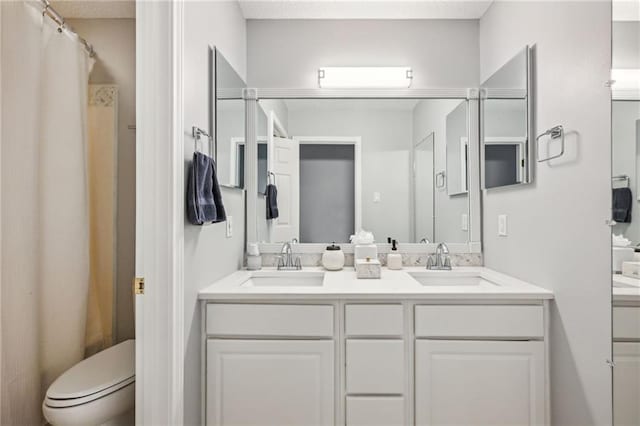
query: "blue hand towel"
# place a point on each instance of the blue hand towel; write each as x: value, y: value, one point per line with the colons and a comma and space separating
x: 204, y: 200
x: 622, y: 204
x: 272, y: 201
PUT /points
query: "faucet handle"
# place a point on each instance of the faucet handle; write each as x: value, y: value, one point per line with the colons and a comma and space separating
x: 447, y: 262
x: 429, y: 261
x: 298, y: 263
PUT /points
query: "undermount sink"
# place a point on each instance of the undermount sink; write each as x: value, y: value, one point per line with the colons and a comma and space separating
x: 285, y: 279
x: 449, y: 279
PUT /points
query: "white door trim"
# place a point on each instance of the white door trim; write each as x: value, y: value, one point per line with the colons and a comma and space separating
x: 356, y: 141
x: 160, y: 133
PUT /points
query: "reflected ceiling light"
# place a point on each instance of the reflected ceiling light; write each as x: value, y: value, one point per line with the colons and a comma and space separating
x: 365, y: 77
x: 625, y: 78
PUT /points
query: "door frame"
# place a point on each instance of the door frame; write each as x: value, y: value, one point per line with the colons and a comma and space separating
x: 430, y: 138
x: 160, y: 194
x: 356, y: 141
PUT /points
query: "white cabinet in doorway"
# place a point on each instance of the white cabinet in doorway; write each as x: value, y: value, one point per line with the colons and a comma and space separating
x: 270, y: 382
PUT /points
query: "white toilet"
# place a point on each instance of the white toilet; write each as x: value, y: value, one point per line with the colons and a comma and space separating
x: 99, y: 390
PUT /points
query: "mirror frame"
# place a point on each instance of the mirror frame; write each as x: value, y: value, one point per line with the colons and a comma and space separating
x: 474, y: 245
x: 530, y: 136
x: 213, y: 106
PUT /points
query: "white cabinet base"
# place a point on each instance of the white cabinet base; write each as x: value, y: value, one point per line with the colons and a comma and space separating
x: 626, y: 383
x: 270, y: 382
x: 479, y: 383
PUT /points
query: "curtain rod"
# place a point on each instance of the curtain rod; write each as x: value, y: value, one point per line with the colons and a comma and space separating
x: 62, y: 25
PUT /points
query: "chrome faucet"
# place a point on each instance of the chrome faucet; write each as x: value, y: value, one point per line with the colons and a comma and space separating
x: 442, y: 261
x: 286, y: 260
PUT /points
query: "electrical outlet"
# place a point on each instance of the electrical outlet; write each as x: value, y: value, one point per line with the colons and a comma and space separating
x: 229, y: 223
x: 465, y: 222
x: 502, y: 225
x: 376, y: 197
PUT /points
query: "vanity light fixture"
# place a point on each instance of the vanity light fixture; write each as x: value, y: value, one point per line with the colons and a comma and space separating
x: 625, y: 78
x: 365, y: 77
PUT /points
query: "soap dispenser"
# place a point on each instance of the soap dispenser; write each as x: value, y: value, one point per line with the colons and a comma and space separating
x: 394, y: 259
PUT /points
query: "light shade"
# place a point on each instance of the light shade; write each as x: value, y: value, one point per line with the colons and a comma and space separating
x: 365, y: 77
x: 625, y: 78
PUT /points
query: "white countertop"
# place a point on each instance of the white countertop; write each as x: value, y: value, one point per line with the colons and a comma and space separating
x: 625, y: 289
x: 392, y: 285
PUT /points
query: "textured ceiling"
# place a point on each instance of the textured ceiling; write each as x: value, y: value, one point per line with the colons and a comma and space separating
x: 95, y: 8
x: 363, y: 9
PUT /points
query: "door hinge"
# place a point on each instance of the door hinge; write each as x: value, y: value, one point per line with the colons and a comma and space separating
x: 138, y: 285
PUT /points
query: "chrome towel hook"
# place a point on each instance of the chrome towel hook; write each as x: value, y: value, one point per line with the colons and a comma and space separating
x: 556, y: 132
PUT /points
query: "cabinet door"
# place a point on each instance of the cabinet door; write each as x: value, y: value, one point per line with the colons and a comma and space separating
x: 270, y: 382
x: 626, y: 379
x: 479, y: 383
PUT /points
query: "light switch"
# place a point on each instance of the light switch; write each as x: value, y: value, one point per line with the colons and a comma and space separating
x: 502, y: 225
x: 465, y: 222
x: 376, y: 197
x: 229, y: 223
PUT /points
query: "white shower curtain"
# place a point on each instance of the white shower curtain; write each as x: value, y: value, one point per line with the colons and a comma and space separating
x: 45, y: 231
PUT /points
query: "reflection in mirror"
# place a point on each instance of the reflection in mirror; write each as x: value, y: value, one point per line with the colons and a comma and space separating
x: 229, y: 122
x: 350, y: 164
x: 506, y: 147
x: 625, y: 137
x: 625, y: 127
x: 457, y: 150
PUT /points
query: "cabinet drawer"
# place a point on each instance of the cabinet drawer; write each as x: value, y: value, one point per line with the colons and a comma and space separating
x: 375, y: 367
x: 479, y: 321
x: 375, y: 411
x: 374, y: 320
x: 269, y: 320
x: 626, y: 323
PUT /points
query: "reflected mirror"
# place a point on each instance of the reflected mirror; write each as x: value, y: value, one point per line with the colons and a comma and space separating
x: 505, y: 124
x: 395, y: 167
x: 625, y: 181
x: 229, y: 122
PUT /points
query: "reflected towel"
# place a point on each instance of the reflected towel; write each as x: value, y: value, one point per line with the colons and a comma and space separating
x: 204, y: 200
x: 622, y: 202
x: 272, y: 201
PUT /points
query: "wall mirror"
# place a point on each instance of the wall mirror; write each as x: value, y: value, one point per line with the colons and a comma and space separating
x: 506, y: 124
x: 625, y: 183
x: 396, y: 167
x: 229, y: 121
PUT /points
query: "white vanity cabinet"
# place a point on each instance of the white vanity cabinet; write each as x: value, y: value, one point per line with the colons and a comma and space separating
x: 375, y: 362
x: 269, y: 364
x: 480, y: 364
x: 626, y: 356
x: 270, y: 382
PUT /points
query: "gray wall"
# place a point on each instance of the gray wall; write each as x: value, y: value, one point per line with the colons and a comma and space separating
x: 327, y: 202
x: 626, y: 44
x: 115, y: 42
x: 625, y: 131
x: 208, y: 254
x: 557, y: 233
x: 288, y: 53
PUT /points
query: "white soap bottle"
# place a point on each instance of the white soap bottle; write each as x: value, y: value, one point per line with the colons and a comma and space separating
x: 394, y: 259
x: 254, y: 260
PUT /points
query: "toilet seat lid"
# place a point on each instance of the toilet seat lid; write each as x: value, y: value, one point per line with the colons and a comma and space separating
x: 104, y: 370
